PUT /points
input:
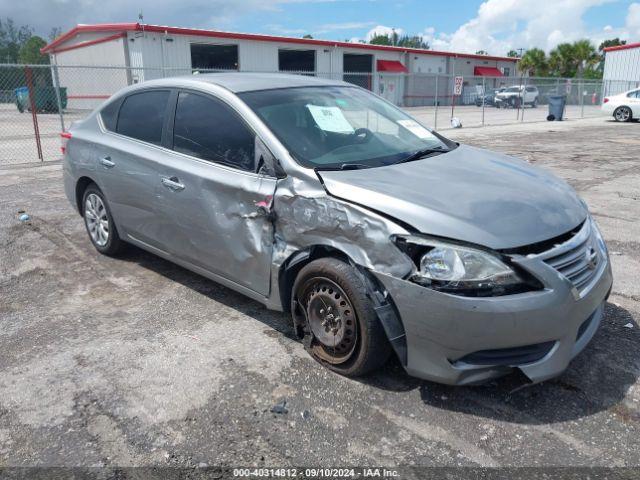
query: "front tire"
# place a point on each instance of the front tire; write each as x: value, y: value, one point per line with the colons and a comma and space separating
x: 346, y: 334
x: 99, y: 222
x: 623, y: 114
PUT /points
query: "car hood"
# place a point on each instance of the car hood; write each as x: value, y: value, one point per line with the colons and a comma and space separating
x: 467, y: 194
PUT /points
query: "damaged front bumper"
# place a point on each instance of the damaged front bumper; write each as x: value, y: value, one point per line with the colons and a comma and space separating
x: 460, y: 340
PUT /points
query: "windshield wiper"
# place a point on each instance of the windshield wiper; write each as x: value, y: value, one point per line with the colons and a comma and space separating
x: 345, y: 166
x: 418, y: 154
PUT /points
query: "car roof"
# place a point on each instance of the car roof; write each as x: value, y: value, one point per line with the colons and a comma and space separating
x: 245, y: 82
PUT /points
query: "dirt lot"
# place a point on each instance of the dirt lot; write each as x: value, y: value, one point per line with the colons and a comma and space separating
x: 135, y: 361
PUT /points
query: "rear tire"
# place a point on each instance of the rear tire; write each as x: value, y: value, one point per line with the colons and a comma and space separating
x: 623, y: 114
x: 99, y: 222
x: 346, y: 334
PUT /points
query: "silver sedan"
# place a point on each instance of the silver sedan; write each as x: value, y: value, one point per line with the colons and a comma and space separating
x: 379, y: 235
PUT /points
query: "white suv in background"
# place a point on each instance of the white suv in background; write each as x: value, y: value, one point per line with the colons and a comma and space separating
x: 624, y: 106
x: 517, y: 96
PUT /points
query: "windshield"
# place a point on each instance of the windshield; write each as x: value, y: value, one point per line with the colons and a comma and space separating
x: 334, y: 127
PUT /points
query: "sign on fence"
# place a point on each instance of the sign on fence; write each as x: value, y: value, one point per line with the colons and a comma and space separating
x: 568, y: 86
x: 457, y: 85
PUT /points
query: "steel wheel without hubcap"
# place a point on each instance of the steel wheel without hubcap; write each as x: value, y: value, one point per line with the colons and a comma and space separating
x: 95, y: 216
x: 622, y: 114
x: 331, y: 319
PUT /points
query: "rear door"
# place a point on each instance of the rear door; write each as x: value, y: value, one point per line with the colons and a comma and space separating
x: 212, y: 198
x: 128, y: 162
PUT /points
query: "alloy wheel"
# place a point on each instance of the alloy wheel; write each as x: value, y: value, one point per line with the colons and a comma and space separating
x: 95, y: 216
x: 623, y: 114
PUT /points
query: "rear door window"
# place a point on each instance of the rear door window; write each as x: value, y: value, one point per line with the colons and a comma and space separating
x: 208, y: 129
x: 142, y: 116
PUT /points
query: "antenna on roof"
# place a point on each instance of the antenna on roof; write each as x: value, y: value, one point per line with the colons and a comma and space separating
x: 140, y: 16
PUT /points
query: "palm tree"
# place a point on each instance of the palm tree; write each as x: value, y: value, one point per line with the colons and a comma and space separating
x: 562, y: 60
x: 585, y: 56
x: 534, y: 62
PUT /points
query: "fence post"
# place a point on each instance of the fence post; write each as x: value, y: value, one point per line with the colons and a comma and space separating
x: 581, y: 86
x: 56, y: 87
x: 435, y: 118
x: 484, y: 94
x: 28, y: 75
x: 524, y: 96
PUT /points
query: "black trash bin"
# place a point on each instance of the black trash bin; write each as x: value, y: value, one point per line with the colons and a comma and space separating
x: 556, y: 107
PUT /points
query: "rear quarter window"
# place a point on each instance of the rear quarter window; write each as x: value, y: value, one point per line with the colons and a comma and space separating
x: 109, y: 115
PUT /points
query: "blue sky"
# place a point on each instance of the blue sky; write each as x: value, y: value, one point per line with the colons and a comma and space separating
x: 463, y: 25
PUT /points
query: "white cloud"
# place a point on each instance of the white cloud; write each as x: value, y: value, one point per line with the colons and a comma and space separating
x: 277, y: 28
x: 502, y: 25
x: 332, y: 27
x: 633, y: 19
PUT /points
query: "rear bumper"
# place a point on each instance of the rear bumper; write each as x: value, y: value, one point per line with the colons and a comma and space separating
x: 461, y: 340
x: 608, y: 108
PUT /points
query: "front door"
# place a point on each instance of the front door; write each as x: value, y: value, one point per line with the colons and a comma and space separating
x: 212, y: 200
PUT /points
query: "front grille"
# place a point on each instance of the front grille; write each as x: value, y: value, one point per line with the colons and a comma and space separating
x: 509, y: 356
x: 577, y: 258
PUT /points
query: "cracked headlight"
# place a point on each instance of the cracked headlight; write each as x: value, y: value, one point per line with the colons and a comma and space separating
x: 463, y: 270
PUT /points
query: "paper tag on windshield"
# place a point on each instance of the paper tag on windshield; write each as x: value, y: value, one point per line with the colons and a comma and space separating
x: 330, y: 119
x: 415, y: 128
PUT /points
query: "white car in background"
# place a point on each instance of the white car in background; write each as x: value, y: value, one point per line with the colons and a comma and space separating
x: 624, y: 107
x: 517, y: 96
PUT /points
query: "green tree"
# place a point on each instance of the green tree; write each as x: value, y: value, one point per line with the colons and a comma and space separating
x: 562, y: 62
x: 307, y: 36
x: 512, y: 54
x: 482, y: 52
x: 585, y: 56
x: 12, y: 38
x: 381, y: 39
x: 30, y: 51
x: 55, y: 33
x: 534, y: 62
x: 613, y: 42
x: 415, y: 41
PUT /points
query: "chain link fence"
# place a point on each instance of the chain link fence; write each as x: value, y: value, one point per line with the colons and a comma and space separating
x: 38, y: 102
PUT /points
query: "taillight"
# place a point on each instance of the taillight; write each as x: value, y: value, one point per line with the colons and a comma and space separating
x: 605, y: 100
x: 64, y: 138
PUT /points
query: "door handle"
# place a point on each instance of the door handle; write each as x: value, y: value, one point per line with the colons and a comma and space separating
x: 172, y: 183
x: 106, y: 162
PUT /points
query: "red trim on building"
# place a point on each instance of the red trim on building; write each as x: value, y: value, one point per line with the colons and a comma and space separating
x: 101, y: 27
x: 91, y: 42
x: 127, y: 27
x: 487, y: 72
x: 622, y: 47
x: 391, y: 66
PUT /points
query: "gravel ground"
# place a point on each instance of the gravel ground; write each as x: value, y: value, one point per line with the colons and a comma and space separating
x: 135, y: 361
